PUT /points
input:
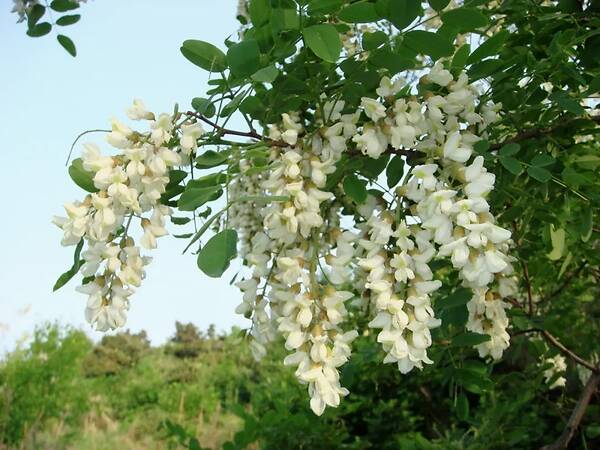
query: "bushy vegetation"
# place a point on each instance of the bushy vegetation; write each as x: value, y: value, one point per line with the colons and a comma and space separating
x: 65, y: 393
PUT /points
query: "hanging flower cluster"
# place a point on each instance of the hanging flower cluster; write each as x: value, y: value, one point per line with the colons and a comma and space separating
x: 318, y: 247
x: 306, y: 266
x: 127, y: 186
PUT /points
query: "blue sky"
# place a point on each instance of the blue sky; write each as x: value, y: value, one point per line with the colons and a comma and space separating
x: 126, y: 49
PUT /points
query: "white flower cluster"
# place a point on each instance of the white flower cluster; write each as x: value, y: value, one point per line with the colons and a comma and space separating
x: 308, y: 313
x: 553, y: 374
x: 447, y: 194
x: 305, y: 267
x: 400, y: 282
x: 128, y: 185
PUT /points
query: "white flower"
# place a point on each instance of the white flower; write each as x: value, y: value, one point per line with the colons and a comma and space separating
x: 119, y: 136
x: 453, y: 150
x: 75, y: 225
x: 93, y: 160
x: 388, y: 89
x: 373, y: 109
x: 138, y: 111
x: 439, y: 75
x: 372, y: 142
x: 190, y: 135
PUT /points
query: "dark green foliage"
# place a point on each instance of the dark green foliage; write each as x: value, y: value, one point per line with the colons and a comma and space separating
x: 42, y: 383
x: 224, y: 395
x: 188, y: 341
x: 116, y: 353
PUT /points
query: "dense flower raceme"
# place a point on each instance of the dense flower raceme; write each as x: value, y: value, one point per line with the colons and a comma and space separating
x: 129, y: 186
x: 308, y: 267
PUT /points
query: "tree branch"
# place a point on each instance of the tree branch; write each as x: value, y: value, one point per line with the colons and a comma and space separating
x: 568, y: 279
x: 564, y: 350
x: 577, y: 415
x: 537, y: 132
x: 220, y: 130
x: 551, y: 339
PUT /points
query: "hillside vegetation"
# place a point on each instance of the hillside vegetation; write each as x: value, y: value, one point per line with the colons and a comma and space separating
x: 201, y: 390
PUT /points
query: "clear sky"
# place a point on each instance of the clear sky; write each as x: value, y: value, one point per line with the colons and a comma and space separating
x: 126, y: 49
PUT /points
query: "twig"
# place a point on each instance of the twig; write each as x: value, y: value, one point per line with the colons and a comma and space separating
x: 528, y: 284
x: 566, y: 282
x: 80, y: 136
x: 564, y: 350
x: 577, y: 415
x: 537, y: 132
x: 221, y: 130
x: 554, y: 341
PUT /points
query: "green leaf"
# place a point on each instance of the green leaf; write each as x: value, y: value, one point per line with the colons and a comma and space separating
x: 204, y: 55
x: 489, y: 47
x: 373, y: 40
x: 244, y: 58
x: 324, y: 41
x: 482, y: 146
x: 211, y: 158
x: 460, y: 58
x: 428, y: 43
x: 323, y: 6
x: 394, y: 171
x: 485, y: 68
x: 509, y: 149
x: 464, y: 19
x: 540, y: 174
x: 372, y: 168
x: 261, y: 199
x: 400, y: 12
x: 81, y: 177
x: 590, y: 162
x: 68, y: 20
x: 586, y: 224
x: 542, y: 160
x: 176, y: 176
x: 359, y: 12
x: 469, y: 339
x: 259, y: 11
x: 472, y: 381
x: 567, y: 103
x: 65, y: 277
x: 35, y: 14
x: 63, y: 5
x: 67, y: 44
x: 204, y: 106
x: 204, y: 228
x: 557, y: 237
x: 459, y: 297
x: 462, y: 403
x: 266, y: 75
x: 191, y: 199
x: 573, y: 178
x: 215, y: 256
x: 283, y: 19
x: 355, y: 188
x: 233, y: 105
x: 438, y: 5
x: 180, y: 220
x: 213, y: 179
x: 511, y: 164
x: 41, y: 29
